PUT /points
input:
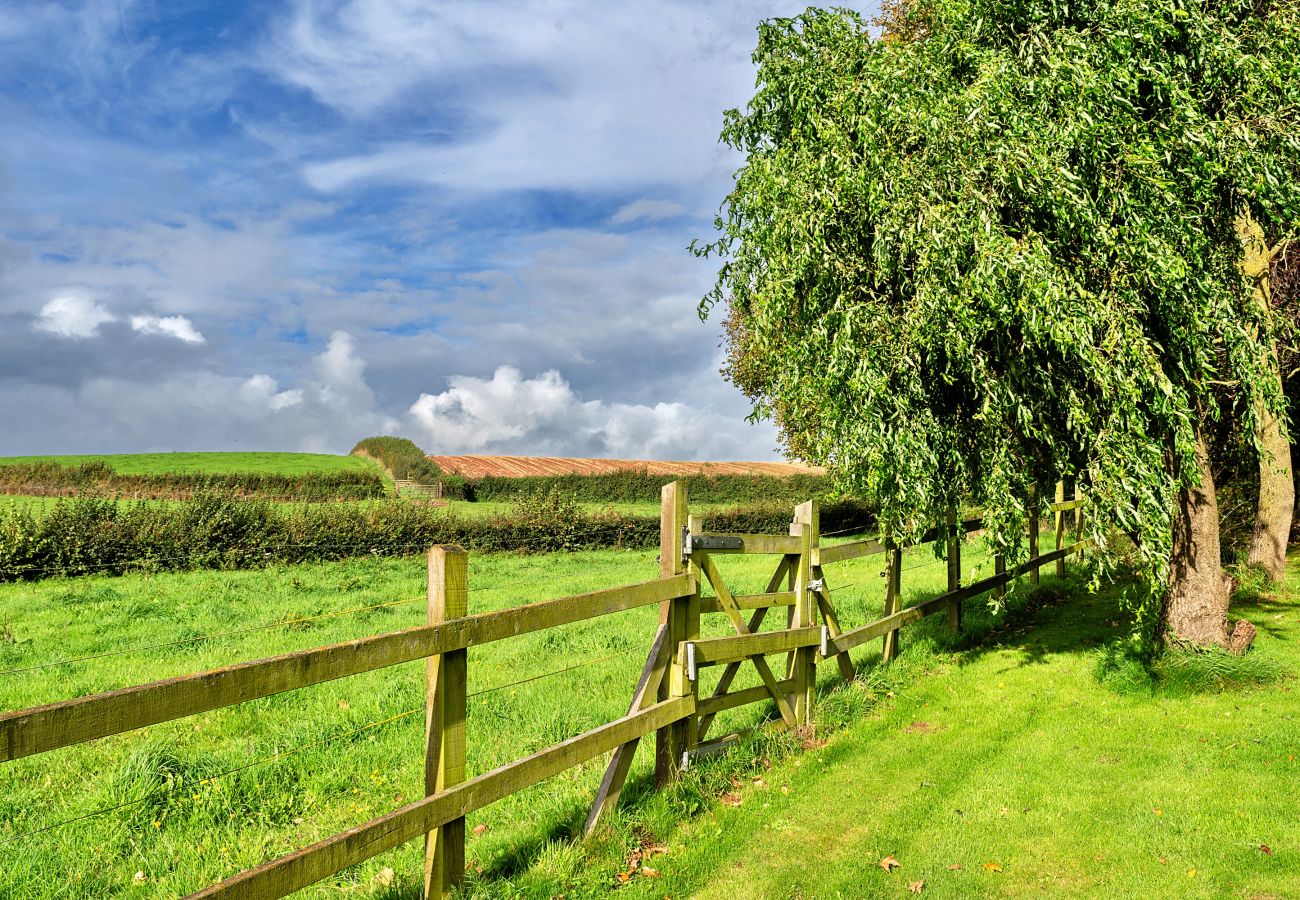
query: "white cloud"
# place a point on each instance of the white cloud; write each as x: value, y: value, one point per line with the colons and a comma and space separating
x: 647, y: 211
x: 178, y: 327
x: 73, y: 314
x: 262, y: 390
x: 508, y: 413
x: 544, y: 95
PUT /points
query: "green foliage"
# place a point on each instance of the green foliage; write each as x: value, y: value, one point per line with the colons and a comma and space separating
x: 1005, y: 252
x: 635, y: 486
x: 401, y: 457
x: 97, y: 478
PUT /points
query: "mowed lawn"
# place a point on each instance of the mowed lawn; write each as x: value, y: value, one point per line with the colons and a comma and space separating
x: 1000, y: 748
x: 215, y: 463
x: 1005, y: 770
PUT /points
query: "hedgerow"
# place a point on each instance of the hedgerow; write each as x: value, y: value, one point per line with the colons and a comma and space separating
x: 87, y: 535
x: 98, y: 479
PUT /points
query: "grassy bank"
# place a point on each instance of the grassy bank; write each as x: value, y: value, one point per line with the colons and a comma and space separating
x: 186, y: 824
x: 213, y: 463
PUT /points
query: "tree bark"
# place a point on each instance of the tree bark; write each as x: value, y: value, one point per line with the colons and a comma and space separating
x: 1196, y: 608
x: 1276, y: 498
x: 1276, y: 488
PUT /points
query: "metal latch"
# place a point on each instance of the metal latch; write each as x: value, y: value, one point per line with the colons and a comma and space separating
x: 817, y: 585
x: 826, y: 642
x: 691, y: 672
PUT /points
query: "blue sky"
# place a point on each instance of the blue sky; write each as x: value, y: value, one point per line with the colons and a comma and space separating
x: 288, y: 226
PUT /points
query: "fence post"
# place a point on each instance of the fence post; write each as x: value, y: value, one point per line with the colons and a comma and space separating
x: 1060, y: 528
x: 444, y: 760
x: 1033, y: 533
x: 671, y: 740
x: 1078, y: 511
x: 954, y: 572
x: 805, y: 660
x: 893, y: 590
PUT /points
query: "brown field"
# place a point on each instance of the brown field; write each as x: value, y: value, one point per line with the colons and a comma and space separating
x: 522, y: 466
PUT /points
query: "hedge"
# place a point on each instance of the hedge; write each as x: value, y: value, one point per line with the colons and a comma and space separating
x: 88, y: 535
x: 49, y: 479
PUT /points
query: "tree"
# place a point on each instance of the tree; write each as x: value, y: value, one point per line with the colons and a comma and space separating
x: 1004, y: 251
x: 1276, y: 488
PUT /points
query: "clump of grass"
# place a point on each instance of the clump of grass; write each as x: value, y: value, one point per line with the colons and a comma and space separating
x: 1137, y: 666
x: 1182, y: 671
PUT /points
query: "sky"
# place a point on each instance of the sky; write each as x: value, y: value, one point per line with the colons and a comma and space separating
x: 288, y: 226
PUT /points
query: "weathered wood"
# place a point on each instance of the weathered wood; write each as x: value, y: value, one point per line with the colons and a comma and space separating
x: 39, y: 729
x: 954, y: 574
x: 811, y: 513
x: 711, y: 651
x: 893, y: 597
x: 824, y: 556
x: 867, y: 547
x: 710, y: 571
x: 882, y: 626
x: 711, y: 706
x: 444, y: 756
x: 757, y: 543
x: 297, y: 870
x: 673, y: 516
x: 620, y: 763
x: 1000, y: 568
x: 805, y: 664
x: 1060, y: 526
x: 748, y: 601
x: 1065, y: 505
x: 729, y: 673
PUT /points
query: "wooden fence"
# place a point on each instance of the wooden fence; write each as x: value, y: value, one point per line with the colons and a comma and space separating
x: 665, y: 701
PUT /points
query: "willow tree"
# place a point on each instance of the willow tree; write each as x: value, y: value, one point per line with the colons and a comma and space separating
x: 1004, y: 251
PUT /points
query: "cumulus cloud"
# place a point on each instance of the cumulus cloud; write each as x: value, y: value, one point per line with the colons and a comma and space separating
x: 178, y: 327
x: 73, y: 315
x: 647, y: 211
x: 509, y: 413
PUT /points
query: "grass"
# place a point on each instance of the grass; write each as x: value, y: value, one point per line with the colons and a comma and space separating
x: 1000, y: 748
x: 214, y: 463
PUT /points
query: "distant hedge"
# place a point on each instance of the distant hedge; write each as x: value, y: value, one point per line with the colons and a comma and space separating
x: 401, y: 457
x: 88, y: 535
x: 97, y: 478
x: 635, y: 486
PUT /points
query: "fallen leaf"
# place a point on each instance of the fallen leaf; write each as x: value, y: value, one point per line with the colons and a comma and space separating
x: 139, y: 878
x: 385, y: 876
x: 1191, y: 873
x: 919, y: 728
x: 479, y: 829
x: 916, y: 886
x: 992, y: 867
x: 1164, y: 860
x: 1266, y: 849
x: 785, y: 788
x: 649, y: 872
x: 731, y: 799
x: 343, y: 704
x: 624, y: 877
x: 1158, y: 812
x: 889, y: 864
x: 758, y: 782
x: 955, y: 867
x: 1099, y: 857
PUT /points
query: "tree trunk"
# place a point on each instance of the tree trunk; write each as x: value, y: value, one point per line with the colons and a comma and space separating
x: 1276, y: 489
x: 1196, y: 609
x: 1276, y: 498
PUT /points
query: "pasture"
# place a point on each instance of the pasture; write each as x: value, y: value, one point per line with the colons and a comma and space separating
x: 212, y: 463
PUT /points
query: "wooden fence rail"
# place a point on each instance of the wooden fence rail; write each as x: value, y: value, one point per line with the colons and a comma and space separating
x: 665, y: 702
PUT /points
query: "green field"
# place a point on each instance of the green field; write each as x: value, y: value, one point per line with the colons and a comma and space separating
x: 1023, y: 760
x: 212, y: 463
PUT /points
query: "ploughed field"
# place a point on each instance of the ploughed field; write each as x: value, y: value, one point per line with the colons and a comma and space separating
x: 472, y: 466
